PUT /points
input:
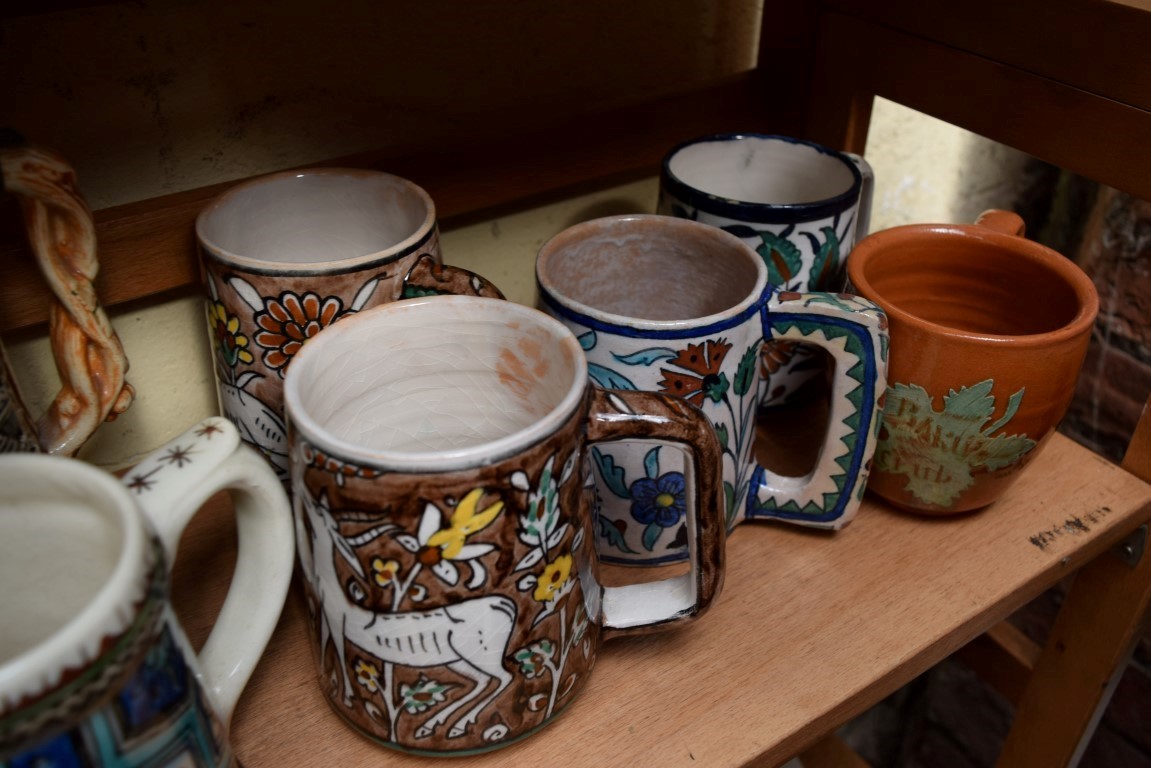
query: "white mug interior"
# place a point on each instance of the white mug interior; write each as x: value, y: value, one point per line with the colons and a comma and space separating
x: 766, y: 170
x: 439, y: 383
x: 316, y: 216
x: 649, y: 271
x: 74, y: 549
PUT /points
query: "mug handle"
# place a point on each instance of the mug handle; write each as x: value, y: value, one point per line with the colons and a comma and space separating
x: 428, y: 277
x: 853, y: 331
x: 867, y: 190
x: 635, y: 415
x: 170, y: 485
x: 1007, y: 222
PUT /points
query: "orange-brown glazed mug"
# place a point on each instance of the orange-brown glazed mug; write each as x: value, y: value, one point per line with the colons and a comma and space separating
x: 988, y: 333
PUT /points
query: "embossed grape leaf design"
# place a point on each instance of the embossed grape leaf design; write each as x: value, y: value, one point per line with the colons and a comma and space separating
x: 940, y: 451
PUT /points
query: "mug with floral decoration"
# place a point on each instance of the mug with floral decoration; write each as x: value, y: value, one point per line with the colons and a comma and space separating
x: 95, y: 668
x: 443, y: 502
x: 286, y: 255
x: 669, y: 305
x: 801, y: 206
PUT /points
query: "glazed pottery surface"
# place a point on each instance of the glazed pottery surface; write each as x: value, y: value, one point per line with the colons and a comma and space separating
x: 988, y: 334
x: 667, y: 305
x: 444, y: 500
x: 95, y: 669
x: 801, y: 206
x: 286, y: 255
x: 87, y: 352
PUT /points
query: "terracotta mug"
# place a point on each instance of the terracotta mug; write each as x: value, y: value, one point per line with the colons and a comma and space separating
x: 799, y: 205
x: 668, y: 305
x: 284, y: 256
x: 95, y: 669
x: 988, y: 333
x: 444, y: 500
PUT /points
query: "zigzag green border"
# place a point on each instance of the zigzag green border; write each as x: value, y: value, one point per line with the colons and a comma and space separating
x: 854, y: 346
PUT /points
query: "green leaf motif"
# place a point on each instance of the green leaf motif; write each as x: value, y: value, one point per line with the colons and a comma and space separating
x: 614, y: 536
x: 745, y: 374
x: 646, y: 356
x: 587, y: 341
x: 783, y: 258
x: 651, y: 536
x: 826, y: 263
x: 651, y: 463
x: 940, y: 452
x: 613, y: 476
x: 606, y: 378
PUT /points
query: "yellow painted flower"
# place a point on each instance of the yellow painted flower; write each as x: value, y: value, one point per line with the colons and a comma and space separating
x: 464, y: 522
x: 553, y: 579
x: 386, y: 571
x: 231, y: 344
x: 368, y: 675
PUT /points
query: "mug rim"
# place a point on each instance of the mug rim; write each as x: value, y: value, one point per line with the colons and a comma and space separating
x: 113, y: 607
x: 760, y: 213
x: 450, y: 460
x: 613, y: 322
x: 422, y: 234
x: 868, y: 249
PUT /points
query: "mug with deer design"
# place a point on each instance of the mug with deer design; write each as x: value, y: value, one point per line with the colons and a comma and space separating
x: 443, y: 503
x: 95, y: 667
x: 286, y: 255
x: 801, y: 206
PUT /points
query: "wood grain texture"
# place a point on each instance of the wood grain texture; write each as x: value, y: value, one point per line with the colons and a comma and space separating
x: 1087, y: 649
x: 1099, y: 47
x: 811, y: 630
x: 147, y: 249
x: 1084, y: 132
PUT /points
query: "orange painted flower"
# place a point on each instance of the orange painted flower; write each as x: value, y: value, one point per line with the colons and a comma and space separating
x: 699, y: 376
x: 289, y: 321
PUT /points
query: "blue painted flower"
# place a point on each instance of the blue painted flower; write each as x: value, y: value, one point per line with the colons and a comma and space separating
x: 659, y: 501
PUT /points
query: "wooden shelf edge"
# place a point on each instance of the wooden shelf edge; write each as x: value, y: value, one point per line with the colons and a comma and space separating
x: 147, y: 248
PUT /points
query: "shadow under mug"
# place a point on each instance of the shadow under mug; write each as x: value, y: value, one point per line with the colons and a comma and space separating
x: 444, y: 501
x: 95, y: 669
x: 668, y: 305
x: 286, y: 255
x: 800, y: 205
x: 988, y: 333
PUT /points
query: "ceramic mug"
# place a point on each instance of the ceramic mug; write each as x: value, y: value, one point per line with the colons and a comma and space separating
x: 88, y: 354
x: 443, y: 498
x: 674, y: 306
x: 988, y: 333
x: 284, y: 256
x: 801, y: 206
x: 95, y: 670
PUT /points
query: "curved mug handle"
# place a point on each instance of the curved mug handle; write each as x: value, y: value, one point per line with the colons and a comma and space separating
x: 853, y: 331
x: 428, y: 277
x: 636, y: 415
x: 170, y: 485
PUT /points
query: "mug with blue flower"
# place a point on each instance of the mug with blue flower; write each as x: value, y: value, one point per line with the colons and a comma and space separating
x: 673, y: 306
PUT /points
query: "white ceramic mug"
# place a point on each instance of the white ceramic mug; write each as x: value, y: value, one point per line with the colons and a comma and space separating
x: 286, y: 255
x: 801, y: 206
x: 95, y: 670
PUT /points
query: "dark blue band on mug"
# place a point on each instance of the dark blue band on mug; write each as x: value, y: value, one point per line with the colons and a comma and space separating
x: 687, y: 332
x: 763, y: 213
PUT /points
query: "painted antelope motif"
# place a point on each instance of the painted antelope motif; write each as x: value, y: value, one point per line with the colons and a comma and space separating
x: 470, y: 638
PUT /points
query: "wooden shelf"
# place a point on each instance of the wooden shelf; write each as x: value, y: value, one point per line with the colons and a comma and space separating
x: 811, y: 630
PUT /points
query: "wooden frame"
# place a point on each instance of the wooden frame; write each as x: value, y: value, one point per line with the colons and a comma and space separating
x: 813, y: 628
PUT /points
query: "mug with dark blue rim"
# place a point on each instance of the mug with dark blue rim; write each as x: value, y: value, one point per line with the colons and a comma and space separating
x: 674, y: 306
x: 801, y: 206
